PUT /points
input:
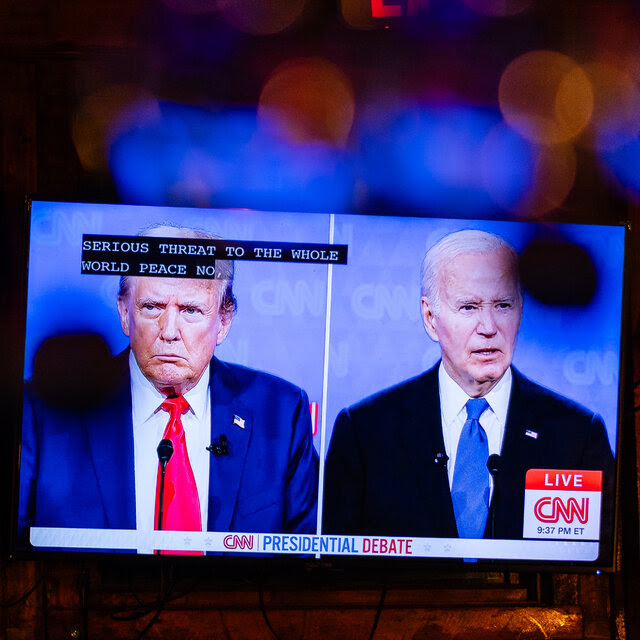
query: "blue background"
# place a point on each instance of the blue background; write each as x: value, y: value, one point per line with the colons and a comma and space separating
x: 376, y: 320
x: 376, y: 333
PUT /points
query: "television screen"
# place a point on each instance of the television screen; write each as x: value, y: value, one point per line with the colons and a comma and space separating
x: 240, y: 382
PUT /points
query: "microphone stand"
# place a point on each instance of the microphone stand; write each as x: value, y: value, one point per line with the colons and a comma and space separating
x: 494, y: 464
x: 165, y: 451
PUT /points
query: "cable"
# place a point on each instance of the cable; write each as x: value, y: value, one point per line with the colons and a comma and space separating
x: 153, y: 620
x: 136, y: 612
x: 383, y: 595
x: 83, y: 587
x: 142, y: 609
x: 263, y: 609
x: 23, y: 597
x: 264, y: 612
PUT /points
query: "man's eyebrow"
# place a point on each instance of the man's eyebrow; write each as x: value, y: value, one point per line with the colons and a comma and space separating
x: 467, y: 300
x: 141, y: 302
x: 159, y: 302
x: 479, y: 301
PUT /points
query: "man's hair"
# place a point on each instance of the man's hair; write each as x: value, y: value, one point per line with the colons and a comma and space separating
x: 453, y: 245
x: 224, y: 268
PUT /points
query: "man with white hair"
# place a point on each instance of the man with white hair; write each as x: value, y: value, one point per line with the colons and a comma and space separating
x: 446, y: 453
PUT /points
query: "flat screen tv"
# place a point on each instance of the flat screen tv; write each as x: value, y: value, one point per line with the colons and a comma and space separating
x: 366, y: 386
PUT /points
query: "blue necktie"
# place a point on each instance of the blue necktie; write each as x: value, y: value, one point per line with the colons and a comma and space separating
x: 470, y: 490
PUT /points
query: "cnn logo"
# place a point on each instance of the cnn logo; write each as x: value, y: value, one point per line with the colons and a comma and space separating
x: 233, y: 541
x: 552, y: 509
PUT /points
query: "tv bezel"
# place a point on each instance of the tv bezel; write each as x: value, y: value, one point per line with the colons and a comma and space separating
x: 352, y: 565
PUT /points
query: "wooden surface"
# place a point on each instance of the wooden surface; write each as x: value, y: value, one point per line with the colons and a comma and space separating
x: 72, y: 601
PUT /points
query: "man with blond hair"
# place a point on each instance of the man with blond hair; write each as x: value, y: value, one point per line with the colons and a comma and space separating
x: 241, y: 455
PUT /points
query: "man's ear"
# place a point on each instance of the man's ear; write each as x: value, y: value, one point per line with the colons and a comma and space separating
x: 123, y: 312
x: 225, y: 325
x: 429, y: 318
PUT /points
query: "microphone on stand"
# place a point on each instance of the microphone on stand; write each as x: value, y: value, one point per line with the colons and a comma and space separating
x: 165, y: 451
x: 494, y: 464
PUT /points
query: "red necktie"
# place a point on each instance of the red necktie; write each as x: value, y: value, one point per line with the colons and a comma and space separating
x: 181, y: 505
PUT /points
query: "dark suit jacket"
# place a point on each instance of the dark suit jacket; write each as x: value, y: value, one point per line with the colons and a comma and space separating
x: 77, y: 466
x: 381, y: 475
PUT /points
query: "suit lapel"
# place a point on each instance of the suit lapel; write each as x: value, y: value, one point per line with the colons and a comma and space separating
x: 233, y: 419
x: 110, y: 434
x: 521, y: 437
x: 422, y: 440
x: 520, y: 451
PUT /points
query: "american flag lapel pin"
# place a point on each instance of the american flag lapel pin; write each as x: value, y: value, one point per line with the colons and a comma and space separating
x: 238, y: 421
x: 531, y: 434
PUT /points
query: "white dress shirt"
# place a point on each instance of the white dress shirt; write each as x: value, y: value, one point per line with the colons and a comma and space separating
x: 454, y: 414
x: 149, y: 424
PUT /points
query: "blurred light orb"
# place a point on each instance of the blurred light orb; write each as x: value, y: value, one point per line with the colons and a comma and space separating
x: 191, y: 156
x: 276, y: 176
x: 261, y: 17
x: 498, y: 8
x: 524, y: 178
x: 554, y: 173
x: 309, y: 99
x: 358, y: 14
x: 454, y: 140
x: 507, y: 166
x: 426, y: 158
x: 93, y: 121
x: 616, y: 109
x: 546, y: 97
x: 193, y: 7
x: 624, y: 164
x: 199, y: 176
x: 185, y: 156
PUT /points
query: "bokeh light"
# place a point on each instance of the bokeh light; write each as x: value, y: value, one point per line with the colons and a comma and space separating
x: 623, y: 164
x: 262, y: 17
x: 526, y: 179
x: 507, y: 166
x: 275, y: 175
x: 199, y: 157
x: 546, y: 97
x: 312, y: 99
x: 458, y: 161
x: 194, y: 7
x: 415, y: 18
x: 94, y: 119
x: 554, y: 175
x: 616, y: 111
x: 357, y: 14
x: 499, y: 8
x: 426, y: 158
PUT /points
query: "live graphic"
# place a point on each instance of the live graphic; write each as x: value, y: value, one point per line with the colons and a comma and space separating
x: 562, y: 504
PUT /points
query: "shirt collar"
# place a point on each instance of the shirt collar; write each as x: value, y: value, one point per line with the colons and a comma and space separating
x: 146, y: 399
x: 453, y: 398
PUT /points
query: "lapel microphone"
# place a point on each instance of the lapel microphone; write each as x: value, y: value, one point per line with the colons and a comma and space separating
x: 219, y: 449
x: 440, y: 459
x: 494, y: 464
